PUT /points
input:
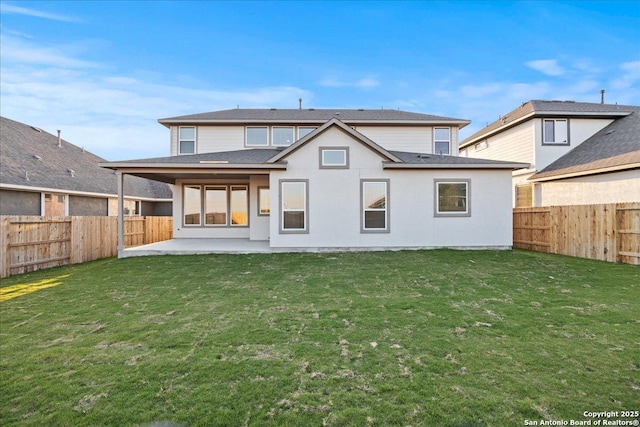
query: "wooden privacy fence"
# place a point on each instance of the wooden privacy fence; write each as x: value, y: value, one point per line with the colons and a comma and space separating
x: 604, y: 232
x: 31, y: 243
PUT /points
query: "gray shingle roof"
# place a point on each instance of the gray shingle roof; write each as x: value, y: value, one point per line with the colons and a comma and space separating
x: 615, y: 146
x: 31, y: 157
x: 248, y: 157
x: 435, y: 159
x: 311, y: 116
x: 535, y: 108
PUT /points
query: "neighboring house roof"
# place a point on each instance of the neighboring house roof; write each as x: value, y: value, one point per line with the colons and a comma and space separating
x: 616, y: 147
x: 261, y: 160
x: 312, y: 116
x: 542, y: 108
x: 31, y: 158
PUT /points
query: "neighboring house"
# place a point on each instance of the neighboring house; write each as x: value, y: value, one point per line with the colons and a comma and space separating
x: 580, y: 153
x: 330, y: 179
x: 42, y: 174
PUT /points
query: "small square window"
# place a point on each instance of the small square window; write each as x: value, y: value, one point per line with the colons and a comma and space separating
x: 257, y: 136
x: 452, y: 198
x: 555, y: 132
x: 334, y: 157
x: 281, y: 136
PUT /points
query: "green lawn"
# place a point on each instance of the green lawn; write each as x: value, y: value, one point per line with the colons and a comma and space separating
x: 421, y: 338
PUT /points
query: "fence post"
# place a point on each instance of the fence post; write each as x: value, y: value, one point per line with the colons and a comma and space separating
x: 5, y: 240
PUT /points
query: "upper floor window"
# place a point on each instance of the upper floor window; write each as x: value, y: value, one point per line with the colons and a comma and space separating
x: 442, y: 141
x: 555, y: 131
x: 187, y: 140
x: 334, y: 157
x: 282, y: 136
x: 304, y: 131
x: 257, y: 136
x: 452, y: 197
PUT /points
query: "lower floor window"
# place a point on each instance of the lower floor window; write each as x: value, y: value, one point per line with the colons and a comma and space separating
x: 293, y: 206
x: 375, y: 211
x: 219, y: 205
x: 524, y: 196
x: 452, y: 198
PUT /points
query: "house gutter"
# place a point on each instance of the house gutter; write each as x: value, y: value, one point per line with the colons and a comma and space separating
x: 511, y: 166
x: 76, y: 193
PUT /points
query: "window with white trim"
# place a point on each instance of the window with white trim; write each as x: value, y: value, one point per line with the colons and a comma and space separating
x: 192, y: 204
x: 374, y: 206
x: 219, y: 205
x: 452, y: 197
x: 264, y: 201
x: 305, y: 130
x: 334, y: 157
x: 215, y: 205
x: 293, y: 206
x: 442, y: 140
x: 187, y: 140
x: 555, y: 132
x: 257, y: 136
x: 281, y: 136
x: 524, y: 196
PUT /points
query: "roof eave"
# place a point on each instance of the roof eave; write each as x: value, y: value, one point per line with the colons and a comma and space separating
x: 510, y: 166
x: 535, y: 114
x: 123, y: 166
x: 553, y: 176
x: 169, y: 122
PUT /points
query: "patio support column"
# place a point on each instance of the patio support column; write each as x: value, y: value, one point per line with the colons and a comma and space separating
x: 120, y: 176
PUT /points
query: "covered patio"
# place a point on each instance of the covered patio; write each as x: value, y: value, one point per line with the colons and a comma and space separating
x: 199, y: 246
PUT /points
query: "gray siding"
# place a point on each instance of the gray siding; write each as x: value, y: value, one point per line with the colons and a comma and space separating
x: 87, y: 206
x: 19, y: 203
x: 157, y: 208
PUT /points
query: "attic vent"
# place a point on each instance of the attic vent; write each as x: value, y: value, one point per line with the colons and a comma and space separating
x: 71, y: 172
x: 35, y: 156
x: 337, y: 113
x: 36, y: 129
x: 424, y: 156
x: 273, y: 109
x: 312, y: 109
x: 360, y: 109
x: 609, y: 132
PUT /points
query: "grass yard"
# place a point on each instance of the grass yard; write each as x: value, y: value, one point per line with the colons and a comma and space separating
x: 420, y: 338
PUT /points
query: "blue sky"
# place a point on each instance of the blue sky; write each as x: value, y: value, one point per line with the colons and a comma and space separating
x: 104, y: 72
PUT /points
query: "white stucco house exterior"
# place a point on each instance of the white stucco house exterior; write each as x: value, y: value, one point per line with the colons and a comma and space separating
x: 312, y: 179
x: 580, y: 153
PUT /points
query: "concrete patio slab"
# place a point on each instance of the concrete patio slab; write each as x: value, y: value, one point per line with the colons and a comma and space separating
x: 198, y: 246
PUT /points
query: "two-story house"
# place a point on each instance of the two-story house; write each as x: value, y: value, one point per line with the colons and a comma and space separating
x: 580, y: 153
x: 313, y: 179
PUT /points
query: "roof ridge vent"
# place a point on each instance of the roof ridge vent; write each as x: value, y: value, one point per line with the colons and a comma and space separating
x: 36, y: 129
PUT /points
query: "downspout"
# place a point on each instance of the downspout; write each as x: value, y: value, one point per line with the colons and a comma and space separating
x: 120, y: 176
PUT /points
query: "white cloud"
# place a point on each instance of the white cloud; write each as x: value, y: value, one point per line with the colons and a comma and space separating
x: 630, y: 75
x: 18, y: 10
x: 363, y: 83
x: 113, y: 116
x: 550, y: 67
